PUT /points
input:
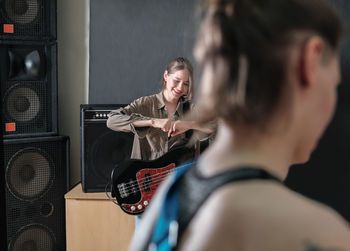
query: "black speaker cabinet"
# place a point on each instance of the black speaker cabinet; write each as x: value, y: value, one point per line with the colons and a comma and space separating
x: 101, y: 147
x: 28, y: 19
x: 28, y: 88
x: 36, y: 179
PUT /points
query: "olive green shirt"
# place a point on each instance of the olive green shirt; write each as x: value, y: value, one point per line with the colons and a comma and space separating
x: 149, y: 142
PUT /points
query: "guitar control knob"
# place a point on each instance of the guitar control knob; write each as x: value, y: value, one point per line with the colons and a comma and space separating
x: 139, y: 207
x: 145, y: 202
x: 132, y: 208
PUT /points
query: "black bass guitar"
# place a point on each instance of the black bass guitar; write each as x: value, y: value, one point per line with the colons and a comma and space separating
x: 134, y: 182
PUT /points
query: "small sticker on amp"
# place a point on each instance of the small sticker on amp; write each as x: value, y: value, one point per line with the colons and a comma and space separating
x: 10, y: 127
x: 8, y: 28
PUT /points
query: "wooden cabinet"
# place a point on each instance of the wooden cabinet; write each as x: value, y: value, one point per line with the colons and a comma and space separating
x: 93, y: 222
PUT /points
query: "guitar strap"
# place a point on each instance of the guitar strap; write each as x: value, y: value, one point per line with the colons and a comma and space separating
x: 187, y: 194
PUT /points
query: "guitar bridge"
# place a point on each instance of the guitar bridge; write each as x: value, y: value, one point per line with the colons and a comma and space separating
x: 122, y: 190
x: 128, y: 188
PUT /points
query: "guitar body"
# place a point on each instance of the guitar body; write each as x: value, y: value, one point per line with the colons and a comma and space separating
x: 134, y: 182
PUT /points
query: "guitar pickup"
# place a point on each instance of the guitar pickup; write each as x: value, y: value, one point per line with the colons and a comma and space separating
x: 147, y: 182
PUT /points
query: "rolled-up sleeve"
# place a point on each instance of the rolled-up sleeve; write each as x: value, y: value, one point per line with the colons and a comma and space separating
x: 122, y: 119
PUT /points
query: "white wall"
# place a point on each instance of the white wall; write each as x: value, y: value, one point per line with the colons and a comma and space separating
x: 73, y: 70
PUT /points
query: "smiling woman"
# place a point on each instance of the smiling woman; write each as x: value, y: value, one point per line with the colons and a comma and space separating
x: 156, y: 120
x: 176, y: 85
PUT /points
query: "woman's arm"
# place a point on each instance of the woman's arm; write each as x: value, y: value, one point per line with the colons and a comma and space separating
x: 163, y: 124
x: 137, y: 117
x: 181, y: 126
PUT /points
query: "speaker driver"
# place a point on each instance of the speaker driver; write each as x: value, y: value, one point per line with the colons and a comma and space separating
x: 29, y: 174
x: 25, y: 65
x: 32, y: 63
x: 22, y: 104
x: 33, y: 237
x: 22, y: 11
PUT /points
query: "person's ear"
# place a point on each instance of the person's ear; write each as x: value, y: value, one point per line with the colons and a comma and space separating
x: 310, y: 59
x: 165, y: 75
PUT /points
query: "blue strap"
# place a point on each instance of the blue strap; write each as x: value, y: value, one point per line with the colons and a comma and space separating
x: 164, y: 237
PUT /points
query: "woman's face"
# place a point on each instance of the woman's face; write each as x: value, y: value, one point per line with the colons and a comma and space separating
x: 177, y: 84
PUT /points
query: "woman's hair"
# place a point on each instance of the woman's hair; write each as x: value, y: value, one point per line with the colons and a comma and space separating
x: 242, y: 50
x: 181, y: 63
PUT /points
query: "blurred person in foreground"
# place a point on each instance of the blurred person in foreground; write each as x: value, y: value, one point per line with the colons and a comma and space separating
x: 270, y: 71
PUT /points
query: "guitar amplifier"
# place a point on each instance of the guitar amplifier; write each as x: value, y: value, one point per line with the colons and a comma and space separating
x: 101, y: 148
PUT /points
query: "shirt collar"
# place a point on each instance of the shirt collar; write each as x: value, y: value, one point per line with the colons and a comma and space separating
x: 161, y: 103
x: 160, y: 98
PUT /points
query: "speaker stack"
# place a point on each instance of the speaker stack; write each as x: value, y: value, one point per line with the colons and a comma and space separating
x: 35, y: 157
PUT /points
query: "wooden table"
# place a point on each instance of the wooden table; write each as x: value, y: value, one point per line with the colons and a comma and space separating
x: 93, y: 222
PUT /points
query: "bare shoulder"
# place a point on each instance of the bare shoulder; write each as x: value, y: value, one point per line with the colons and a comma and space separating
x: 265, y: 215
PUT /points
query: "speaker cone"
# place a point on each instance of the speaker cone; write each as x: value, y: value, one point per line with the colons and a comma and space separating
x: 33, y: 237
x: 29, y: 174
x: 22, y: 104
x: 22, y: 11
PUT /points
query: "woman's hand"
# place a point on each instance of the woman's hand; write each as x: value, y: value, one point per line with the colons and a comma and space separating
x: 179, y: 127
x: 163, y: 124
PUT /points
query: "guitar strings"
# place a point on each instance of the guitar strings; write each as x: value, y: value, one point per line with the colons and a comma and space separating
x: 134, y: 186
x: 138, y: 181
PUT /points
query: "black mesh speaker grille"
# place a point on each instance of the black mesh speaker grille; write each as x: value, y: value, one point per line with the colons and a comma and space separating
x: 33, y: 237
x: 22, y: 104
x: 29, y: 89
x: 101, y: 148
x: 26, y: 105
x: 31, y: 19
x: 29, y: 174
x: 36, y: 182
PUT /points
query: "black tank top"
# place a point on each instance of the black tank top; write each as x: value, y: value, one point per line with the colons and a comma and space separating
x: 195, y: 189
